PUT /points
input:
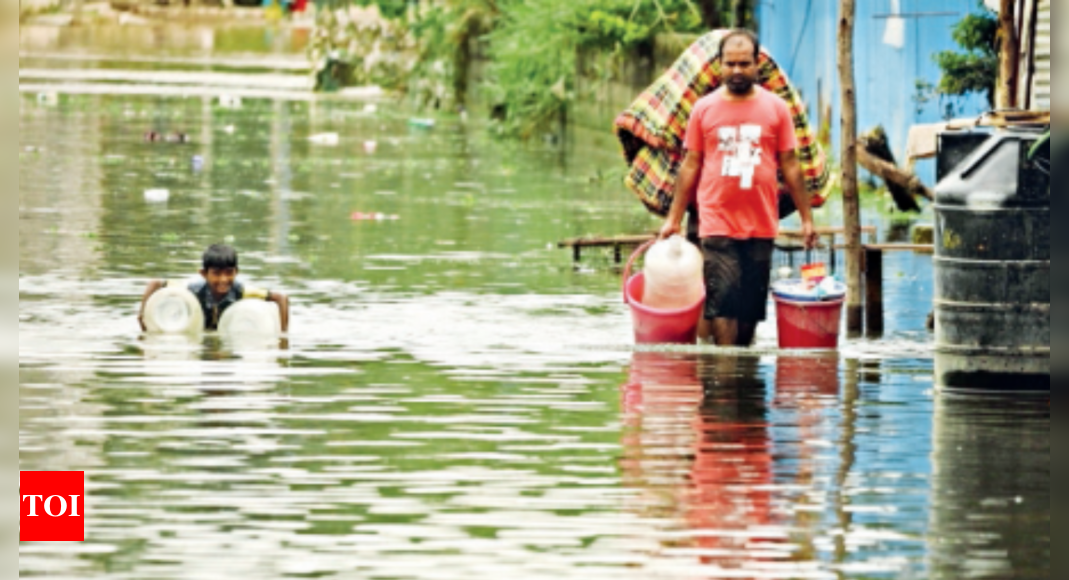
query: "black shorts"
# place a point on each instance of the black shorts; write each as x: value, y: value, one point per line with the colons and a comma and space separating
x: 737, y: 277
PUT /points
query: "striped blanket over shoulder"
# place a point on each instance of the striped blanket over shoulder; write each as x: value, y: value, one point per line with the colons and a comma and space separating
x: 652, y: 130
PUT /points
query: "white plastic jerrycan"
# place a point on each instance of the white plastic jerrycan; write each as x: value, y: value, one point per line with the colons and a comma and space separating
x: 173, y: 310
x: 673, y: 275
x: 247, y: 318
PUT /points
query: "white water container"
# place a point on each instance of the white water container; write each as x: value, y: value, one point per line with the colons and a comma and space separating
x: 674, y: 275
x: 173, y: 310
x: 251, y: 318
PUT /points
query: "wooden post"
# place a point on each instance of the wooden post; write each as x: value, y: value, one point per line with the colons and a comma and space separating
x: 851, y: 195
x: 874, y: 291
x: 1006, y: 96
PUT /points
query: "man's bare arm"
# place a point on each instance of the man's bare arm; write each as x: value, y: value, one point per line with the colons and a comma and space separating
x: 792, y: 174
x: 686, y: 186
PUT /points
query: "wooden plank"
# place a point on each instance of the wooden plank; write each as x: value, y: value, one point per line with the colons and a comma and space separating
x: 916, y: 248
x: 900, y: 247
x: 826, y: 231
x: 606, y: 242
x: 787, y: 243
x: 639, y: 239
x: 790, y: 246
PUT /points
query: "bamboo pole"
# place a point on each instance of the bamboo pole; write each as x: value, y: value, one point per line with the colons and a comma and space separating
x: 1006, y: 97
x: 851, y: 195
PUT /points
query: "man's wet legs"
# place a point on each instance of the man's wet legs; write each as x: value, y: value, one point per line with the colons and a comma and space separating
x: 728, y: 332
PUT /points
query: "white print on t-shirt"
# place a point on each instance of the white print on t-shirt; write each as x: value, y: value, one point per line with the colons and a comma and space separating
x: 743, y: 145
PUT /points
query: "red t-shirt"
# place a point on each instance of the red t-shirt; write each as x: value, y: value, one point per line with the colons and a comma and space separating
x: 738, y: 196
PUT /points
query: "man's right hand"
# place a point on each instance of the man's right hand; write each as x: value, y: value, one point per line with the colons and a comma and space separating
x: 670, y: 228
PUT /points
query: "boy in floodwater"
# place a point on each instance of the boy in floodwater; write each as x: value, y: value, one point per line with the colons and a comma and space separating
x: 220, y: 289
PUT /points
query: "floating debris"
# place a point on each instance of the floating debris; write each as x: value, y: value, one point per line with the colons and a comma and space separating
x: 50, y: 98
x: 230, y: 102
x: 328, y: 139
x: 175, y: 137
x: 157, y: 195
x: 377, y: 217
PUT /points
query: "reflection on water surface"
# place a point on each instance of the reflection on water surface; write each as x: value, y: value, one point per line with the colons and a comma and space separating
x: 456, y: 401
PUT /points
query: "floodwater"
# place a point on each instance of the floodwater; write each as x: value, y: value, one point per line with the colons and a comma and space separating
x: 456, y: 400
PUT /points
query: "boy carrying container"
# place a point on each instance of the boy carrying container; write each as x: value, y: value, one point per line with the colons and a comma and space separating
x: 220, y: 289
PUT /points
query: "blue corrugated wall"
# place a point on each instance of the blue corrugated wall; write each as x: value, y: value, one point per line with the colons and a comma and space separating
x: 802, y: 36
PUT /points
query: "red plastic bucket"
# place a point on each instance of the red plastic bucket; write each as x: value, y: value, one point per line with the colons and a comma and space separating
x: 809, y: 325
x: 654, y: 325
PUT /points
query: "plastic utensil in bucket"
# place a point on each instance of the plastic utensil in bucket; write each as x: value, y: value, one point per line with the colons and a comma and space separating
x: 815, y: 272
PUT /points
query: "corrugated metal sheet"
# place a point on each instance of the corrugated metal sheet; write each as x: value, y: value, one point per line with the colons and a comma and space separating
x: 1041, y: 81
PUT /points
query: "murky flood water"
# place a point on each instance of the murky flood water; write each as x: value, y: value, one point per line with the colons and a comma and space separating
x: 456, y: 401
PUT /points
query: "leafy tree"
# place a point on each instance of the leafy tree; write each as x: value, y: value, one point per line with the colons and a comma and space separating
x: 976, y: 70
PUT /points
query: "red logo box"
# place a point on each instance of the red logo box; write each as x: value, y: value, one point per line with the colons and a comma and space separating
x: 52, y: 506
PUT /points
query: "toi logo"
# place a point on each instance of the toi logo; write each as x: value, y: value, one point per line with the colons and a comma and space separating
x: 53, y: 506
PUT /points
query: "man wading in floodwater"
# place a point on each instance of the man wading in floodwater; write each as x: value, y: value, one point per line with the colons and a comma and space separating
x: 737, y: 138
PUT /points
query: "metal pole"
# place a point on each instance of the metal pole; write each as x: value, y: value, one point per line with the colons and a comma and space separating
x: 851, y: 195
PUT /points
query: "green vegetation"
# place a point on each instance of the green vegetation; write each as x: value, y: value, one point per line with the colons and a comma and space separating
x: 532, y: 88
x: 531, y: 47
x: 976, y: 70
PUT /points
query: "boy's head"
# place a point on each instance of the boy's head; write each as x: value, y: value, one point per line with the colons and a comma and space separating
x: 220, y: 268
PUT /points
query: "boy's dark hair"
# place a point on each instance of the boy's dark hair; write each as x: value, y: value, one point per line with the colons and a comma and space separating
x: 741, y: 32
x: 220, y: 257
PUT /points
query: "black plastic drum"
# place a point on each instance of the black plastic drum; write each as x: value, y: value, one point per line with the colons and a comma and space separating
x: 992, y: 268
